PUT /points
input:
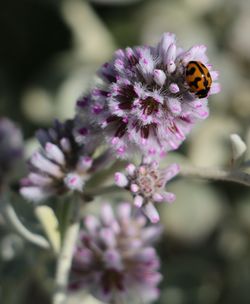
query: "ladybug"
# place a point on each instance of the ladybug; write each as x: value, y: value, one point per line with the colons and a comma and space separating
x: 198, y: 78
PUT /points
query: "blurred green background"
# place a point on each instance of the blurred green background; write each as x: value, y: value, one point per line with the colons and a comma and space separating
x: 49, y: 52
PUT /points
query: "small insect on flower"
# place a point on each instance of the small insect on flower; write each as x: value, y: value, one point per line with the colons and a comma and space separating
x: 198, y: 78
x: 150, y: 97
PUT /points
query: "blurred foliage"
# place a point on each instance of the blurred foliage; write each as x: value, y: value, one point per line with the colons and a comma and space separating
x: 50, y: 50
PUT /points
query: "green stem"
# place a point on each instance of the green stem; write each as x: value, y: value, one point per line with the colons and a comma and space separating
x: 19, y: 228
x: 235, y: 176
x: 66, y: 253
x: 102, y: 190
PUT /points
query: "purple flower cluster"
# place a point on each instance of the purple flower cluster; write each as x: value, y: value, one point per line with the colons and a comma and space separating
x: 147, y: 185
x: 11, y: 149
x: 59, y: 166
x: 147, y: 101
x: 114, y: 258
x: 145, y: 104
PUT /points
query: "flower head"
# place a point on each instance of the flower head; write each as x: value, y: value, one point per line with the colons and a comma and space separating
x: 11, y: 148
x: 60, y: 165
x: 145, y: 103
x: 114, y: 257
x: 147, y: 185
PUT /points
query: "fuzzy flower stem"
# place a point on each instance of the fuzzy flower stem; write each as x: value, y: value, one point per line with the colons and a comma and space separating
x: 65, y: 256
x: 102, y: 190
x: 235, y: 176
x: 20, y: 229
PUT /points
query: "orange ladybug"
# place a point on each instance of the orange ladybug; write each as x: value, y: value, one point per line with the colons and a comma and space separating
x: 198, y: 78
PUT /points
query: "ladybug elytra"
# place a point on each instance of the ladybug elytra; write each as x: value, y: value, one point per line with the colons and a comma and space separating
x: 198, y: 78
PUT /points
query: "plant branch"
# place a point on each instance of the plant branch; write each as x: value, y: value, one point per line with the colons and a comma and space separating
x: 20, y: 229
x: 102, y: 190
x: 66, y: 254
x: 234, y: 175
